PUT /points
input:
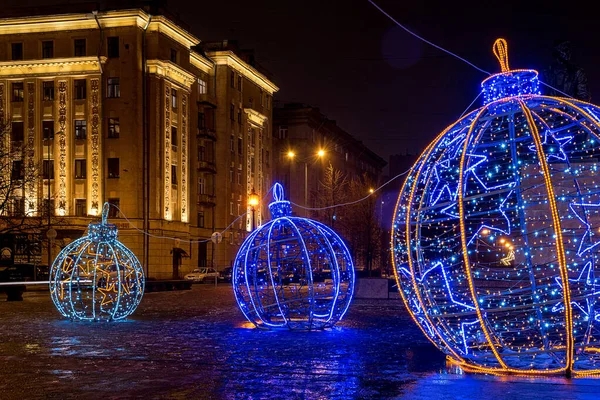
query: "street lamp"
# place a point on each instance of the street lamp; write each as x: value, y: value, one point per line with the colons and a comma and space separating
x: 292, y: 155
x: 253, y: 202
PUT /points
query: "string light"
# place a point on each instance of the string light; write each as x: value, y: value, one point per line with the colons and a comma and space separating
x: 293, y: 272
x: 96, y: 277
x: 495, y: 233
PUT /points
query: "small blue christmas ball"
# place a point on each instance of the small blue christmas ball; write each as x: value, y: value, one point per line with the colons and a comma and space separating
x: 496, y: 233
x: 293, y: 272
x: 96, y: 277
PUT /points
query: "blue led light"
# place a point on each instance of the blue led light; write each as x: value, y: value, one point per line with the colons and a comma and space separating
x: 293, y: 272
x: 498, y: 224
x: 96, y: 277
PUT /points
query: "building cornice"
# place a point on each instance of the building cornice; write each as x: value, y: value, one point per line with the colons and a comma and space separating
x: 255, y: 117
x: 51, y: 67
x: 200, y: 62
x: 230, y: 59
x: 108, y: 19
x: 171, y: 72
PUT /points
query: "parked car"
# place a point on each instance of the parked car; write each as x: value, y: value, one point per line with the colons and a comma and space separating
x: 225, y: 274
x: 202, y: 275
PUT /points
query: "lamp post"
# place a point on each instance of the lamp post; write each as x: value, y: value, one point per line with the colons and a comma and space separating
x: 291, y: 155
x: 253, y: 202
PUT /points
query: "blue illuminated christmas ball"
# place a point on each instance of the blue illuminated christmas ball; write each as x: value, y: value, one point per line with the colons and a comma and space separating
x: 293, y: 272
x: 96, y: 277
x: 496, y: 233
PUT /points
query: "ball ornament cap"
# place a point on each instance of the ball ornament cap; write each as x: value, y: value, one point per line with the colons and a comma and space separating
x: 293, y: 272
x: 96, y: 277
x: 495, y: 234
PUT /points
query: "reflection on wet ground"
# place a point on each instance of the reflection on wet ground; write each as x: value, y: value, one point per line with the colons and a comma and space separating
x: 196, y: 344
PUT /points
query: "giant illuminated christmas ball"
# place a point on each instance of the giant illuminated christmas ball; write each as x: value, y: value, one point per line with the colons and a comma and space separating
x: 96, y: 277
x: 293, y: 272
x: 496, y: 232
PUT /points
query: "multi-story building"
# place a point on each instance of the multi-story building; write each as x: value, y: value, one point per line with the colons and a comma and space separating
x: 129, y: 108
x: 306, y: 142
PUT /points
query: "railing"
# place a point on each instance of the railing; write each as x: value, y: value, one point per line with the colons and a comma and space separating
x: 207, y: 199
x: 207, y: 133
x: 208, y: 166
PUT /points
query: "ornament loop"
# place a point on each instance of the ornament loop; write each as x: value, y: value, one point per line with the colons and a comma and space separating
x: 500, y: 49
x: 278, y: 194
x: 105, y: 210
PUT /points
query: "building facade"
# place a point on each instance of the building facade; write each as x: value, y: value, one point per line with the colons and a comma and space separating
x: 306, y: 142
x: 129, y: 108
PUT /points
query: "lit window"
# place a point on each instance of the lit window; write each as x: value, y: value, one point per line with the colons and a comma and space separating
x: 174, y: 98
x: 80, y: 169
x: 201, y: 86
x: 113, y: 128
x: 17, y: 91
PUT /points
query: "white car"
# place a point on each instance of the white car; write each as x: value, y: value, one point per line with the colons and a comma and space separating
x: 202, y: 275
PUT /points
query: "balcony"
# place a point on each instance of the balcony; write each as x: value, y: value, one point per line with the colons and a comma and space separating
x: 207, y: 166
x: 207, y: 200
x: 207, y: 100
x: 206, y: 133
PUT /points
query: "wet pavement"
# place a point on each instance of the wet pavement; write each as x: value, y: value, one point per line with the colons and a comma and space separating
x: 196, y: 344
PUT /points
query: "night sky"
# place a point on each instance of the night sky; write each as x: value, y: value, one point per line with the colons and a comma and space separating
x: 382, y: 85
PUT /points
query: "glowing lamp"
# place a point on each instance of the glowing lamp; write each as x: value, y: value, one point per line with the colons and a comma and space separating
x: 253, y: 199
x: 524, y: 167
x: 96, y: 277
x: 291, y: 154
x: 293, y: 272
x: 321, y: 153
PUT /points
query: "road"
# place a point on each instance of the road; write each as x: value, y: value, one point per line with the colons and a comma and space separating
x: 196, y: 344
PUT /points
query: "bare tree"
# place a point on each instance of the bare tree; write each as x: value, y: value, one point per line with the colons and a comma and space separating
x: 332, y: 190
x: 362, y: 224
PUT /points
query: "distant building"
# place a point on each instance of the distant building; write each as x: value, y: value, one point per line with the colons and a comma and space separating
x: 128, y: 107
x: 302, y: 131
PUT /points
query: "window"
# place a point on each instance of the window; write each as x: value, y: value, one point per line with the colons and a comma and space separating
x: 17, y: 91
x: 231, y: 111
x: 232, y: 79
x: 173, y: 174
x: 16, y: 132
x: 201, y: 121
x: 252, y: 164
x: 47, y: 49
x: 48, y: 88
x: 268, y: 101
x: 174, y: 98
x: 239, y: 209
x: 201, y: 153
x: 231, y: 144
x: 239, y: 177
x: 200, y: 219
x: 240, y: 146
x: 174, y: 138
x: 174, y: 56
x: 201, y: 186
x: 48, y: 129
x: 201, y: 86
x: 113, y: 212
x: 261, y: 98
x: 80, y: 208
x: 113, y: 167
x: 239, y: 116
x: 240, y: 83
x: 80, y: 129
x: 48, y: 169
x: 17, y: 170
x: 283, y: 132
x: 113, y: 128
x: 231, y: 208
x: 80, y: 170
x: 79, y: 87
x: 230, y: 175
x: 113, y: 88
x: 79, y: 48
x: 17, y: 51
x: 16, y: 206
x: 112, y: 44
x: 267, y: 159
